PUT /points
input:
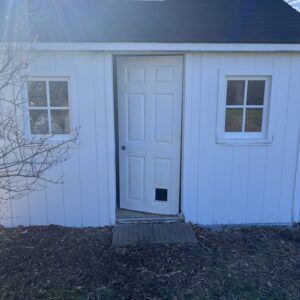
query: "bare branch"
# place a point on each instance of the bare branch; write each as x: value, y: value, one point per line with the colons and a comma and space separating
x: 24, y: 162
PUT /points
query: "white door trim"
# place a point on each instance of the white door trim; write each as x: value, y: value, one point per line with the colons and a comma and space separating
x: 180, y: 78
x: 110, y: 136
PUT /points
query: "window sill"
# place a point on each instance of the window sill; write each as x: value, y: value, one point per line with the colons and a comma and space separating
x: 55, y: 139
x: 244, y: 141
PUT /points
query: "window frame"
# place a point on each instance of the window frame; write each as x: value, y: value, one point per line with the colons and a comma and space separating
x: 263, y: 137
x: 54, y: 137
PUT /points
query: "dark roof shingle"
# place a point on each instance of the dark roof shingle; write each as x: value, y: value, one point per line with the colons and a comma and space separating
x: 169, y: 21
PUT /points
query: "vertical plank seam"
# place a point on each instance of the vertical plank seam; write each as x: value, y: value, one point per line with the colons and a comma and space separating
x: 231, y: 181
x: 284, y: 138
x: 63, y: 195
x: 46, y: 205
x: 9, y: 193
x: 79, y: 156
x: 199, y: 139
x: 247, y: 186
x: 96, y: 136
x: 264, y: 186
x: 61, y: 165
x: 28, y: 205
x: 107, y: 137
x: 267, y: 157
x: 295, y: 213
x: 215, y: 155
x: 295, y: 204
x: 231, y: 165
x: 11, y: 210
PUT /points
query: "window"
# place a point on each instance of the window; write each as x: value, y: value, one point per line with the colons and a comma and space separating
x: 48, y: 102
x: 245, y: 107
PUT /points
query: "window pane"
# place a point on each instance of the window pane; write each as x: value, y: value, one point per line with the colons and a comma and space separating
x: 58, y: 93
x: 39, y: 121
x: 37, y: 95
x: 256, y: 92
x: 254, y: 120
x: 234, y: 120
x: 60, y: 121
x: 235, y: 92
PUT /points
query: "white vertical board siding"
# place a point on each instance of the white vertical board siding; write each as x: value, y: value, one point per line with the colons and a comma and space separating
x: 294, y: 179
x: 221, y: 184
x: 84, y: 197
x: 239, y: 184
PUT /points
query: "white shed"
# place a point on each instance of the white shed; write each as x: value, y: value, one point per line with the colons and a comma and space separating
x: 184, y: 107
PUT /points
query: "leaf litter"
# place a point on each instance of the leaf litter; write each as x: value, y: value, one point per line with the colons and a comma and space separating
x: 53, y: 262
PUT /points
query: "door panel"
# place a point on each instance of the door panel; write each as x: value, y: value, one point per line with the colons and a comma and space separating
x: 135, y: 109
x: 149, y: 112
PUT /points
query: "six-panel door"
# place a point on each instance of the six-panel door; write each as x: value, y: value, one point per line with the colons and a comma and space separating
x: 149, y: 118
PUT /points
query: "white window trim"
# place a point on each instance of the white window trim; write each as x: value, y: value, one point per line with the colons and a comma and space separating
x: 56, y: 137
x: 245, y: 138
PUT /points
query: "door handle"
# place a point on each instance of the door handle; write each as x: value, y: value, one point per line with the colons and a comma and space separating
x: 123, y: 148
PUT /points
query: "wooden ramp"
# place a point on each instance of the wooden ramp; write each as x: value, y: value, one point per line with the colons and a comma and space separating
x: 153, y: 233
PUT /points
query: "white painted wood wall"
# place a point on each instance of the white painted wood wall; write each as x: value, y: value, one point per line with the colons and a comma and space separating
x: 84, y: 198
x: 226, y: 184
x: 221, y: 183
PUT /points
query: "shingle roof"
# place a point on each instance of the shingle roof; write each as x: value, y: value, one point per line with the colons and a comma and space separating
x: 169, y: 21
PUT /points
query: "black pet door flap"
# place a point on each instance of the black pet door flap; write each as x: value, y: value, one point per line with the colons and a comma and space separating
x: 161, y: 194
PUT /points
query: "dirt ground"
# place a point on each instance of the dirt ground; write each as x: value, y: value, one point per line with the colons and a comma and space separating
x: 228, y: 263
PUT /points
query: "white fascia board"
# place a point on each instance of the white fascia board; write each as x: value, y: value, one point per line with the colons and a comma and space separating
x: 176, y: 47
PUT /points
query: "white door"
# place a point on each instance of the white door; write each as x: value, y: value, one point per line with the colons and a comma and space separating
x: 149, y: 117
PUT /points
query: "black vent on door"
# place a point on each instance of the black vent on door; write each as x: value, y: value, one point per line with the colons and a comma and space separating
x: 161, y: 194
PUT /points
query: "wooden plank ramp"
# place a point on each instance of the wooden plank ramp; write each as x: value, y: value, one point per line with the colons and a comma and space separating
x: 153, y: 233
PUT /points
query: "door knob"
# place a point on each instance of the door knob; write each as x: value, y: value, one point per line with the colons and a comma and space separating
x: 123, y: 147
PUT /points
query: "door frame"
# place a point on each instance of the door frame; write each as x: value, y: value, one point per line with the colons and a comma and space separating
x: 115, y: 56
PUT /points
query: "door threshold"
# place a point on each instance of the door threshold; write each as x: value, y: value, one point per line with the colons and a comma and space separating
x: 174, y: 219
x: 128, y: 216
